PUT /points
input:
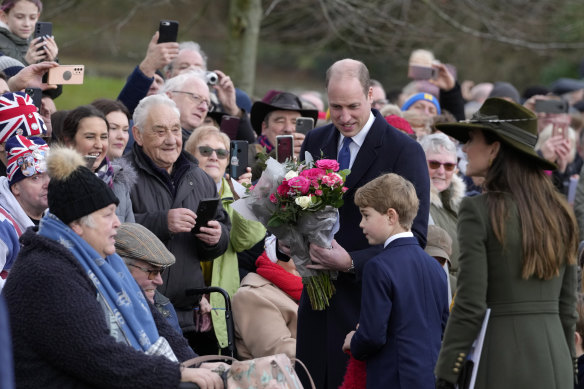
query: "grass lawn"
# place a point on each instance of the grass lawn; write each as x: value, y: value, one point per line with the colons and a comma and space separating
x: 94, y: 87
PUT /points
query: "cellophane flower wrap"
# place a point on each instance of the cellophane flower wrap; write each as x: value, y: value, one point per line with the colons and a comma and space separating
x: 298, y: 203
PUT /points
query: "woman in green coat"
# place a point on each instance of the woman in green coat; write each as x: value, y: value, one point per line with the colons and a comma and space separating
x: 518, y: 243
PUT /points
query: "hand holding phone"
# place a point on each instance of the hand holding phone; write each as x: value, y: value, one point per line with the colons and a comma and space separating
x: 42, y: 30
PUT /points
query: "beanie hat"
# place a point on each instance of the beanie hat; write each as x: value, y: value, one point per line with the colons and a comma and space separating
x: 10, y: 66
x: 74, y: 191
x: 504, y: 89
x: 421, y: 96
x: 26, y: 157
x: 134, y: 241
x: 399, y: 123
x: 19, y: 116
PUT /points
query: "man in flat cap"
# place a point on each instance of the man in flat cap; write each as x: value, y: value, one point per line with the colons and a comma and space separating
x: 146, y: 257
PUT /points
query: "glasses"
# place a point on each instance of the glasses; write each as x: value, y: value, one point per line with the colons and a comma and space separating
x: 152, y: 273
x: 195, y: 98
x: 207, y: 151
x: 448, y: 166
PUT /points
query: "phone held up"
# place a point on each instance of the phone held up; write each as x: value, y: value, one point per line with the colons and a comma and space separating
x: 284, y: 147
x: 418, y: 72
x: 167, y: 31
x: 36, y: 94
x: 66, y: 74
x: 304, y: 124
x: 551, y: 106
x: 205, y: 213
x: 239, y: 160
x: 41, y: 30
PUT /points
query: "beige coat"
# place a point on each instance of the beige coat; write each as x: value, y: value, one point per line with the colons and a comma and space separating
x: 265, y: 319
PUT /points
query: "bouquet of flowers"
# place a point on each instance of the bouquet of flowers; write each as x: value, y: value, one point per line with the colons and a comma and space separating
x: 298, y: 203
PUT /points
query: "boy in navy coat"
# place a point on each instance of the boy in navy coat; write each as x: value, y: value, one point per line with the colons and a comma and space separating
x: 404, y: 302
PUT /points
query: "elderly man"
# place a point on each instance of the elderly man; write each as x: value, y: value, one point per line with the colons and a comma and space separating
x: 277, y: 116
x: 225, y: 98
x: 169, y: 188
x: 23, y: 195
x: 89, y: 325
x: 146, y: 258
x: 361, y: 140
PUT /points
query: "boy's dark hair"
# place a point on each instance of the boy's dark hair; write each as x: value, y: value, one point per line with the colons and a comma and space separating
x: 390, y: 191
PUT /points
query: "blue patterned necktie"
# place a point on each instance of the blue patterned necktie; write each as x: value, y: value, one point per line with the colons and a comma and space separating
x: 344, y: 157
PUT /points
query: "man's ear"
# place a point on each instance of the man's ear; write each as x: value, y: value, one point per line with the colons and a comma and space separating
x: 137, y: 135
x: 577, y: 339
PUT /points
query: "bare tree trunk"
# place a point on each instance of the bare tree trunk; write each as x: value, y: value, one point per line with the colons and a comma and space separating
x: 244, y: 28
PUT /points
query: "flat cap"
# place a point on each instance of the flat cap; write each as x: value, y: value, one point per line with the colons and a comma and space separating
x: 134, y: 241
x: 439, y: 242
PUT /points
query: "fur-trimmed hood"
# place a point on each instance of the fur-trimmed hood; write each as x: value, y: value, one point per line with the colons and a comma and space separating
x: 124, y: 173
x: 451, y: 197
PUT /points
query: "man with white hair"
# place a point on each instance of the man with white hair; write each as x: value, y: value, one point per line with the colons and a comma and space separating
x: 169, y: 189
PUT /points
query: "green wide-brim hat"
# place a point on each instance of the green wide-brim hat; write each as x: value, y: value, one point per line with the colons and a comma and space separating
x: 512, y: 123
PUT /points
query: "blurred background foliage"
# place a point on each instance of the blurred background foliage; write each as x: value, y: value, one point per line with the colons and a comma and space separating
x: 521, y: 41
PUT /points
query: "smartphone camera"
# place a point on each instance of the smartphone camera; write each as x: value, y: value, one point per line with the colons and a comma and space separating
x: 212, y: 78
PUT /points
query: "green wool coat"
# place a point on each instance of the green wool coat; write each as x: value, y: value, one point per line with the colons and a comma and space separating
x: 225, y: 274
x: 529, y: 341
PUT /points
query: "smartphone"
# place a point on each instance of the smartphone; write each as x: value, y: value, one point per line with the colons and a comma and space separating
x: 205, y: 213
x: 304, y: 124
x: 418, y: 72
x: 167, y: 31
x: 42, y: 29
x: 284, y: 147
x: 66, y: 74
x: 36, y: 94
x: 229, y: 125
x: 551, y: 106
x: 238, y: 153
x: 89, y: 161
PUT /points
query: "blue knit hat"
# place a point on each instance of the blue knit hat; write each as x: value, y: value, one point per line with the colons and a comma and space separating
x: 421, y: 96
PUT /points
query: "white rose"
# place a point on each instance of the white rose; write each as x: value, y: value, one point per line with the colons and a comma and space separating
x: 303, y: 201
x: 291, y: 174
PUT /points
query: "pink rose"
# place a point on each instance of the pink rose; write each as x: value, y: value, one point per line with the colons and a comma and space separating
x: 299, y: 183
x: 318, y: 192
x: 273, y: 198
x: 344, y: 189
x: 313, y: 174
x: 283, y: 189
x: 332, y: 179
x: 328, y: 164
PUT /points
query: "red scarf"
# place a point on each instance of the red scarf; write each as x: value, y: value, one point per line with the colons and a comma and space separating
x: 291, y: 284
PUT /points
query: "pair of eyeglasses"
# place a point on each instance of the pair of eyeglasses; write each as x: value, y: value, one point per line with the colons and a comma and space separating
x: 207, y: 151
x: 448, y: 166
x: 195, y: 98
x: 152, y: 273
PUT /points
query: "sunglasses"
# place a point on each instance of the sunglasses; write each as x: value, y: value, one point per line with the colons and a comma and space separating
x: 152, y: 273
x: 206, y: 151
x: 448, y: 166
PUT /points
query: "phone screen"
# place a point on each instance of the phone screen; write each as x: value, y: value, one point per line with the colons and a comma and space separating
x: 284, y: 147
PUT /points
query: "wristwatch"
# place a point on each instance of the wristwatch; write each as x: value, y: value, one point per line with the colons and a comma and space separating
x: 351, y: 268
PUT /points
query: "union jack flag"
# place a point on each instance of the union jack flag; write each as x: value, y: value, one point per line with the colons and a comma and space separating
x: 19, y: 116
x: 26, y: 155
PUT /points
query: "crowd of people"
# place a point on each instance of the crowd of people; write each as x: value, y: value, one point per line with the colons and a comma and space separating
x: 463, y: 208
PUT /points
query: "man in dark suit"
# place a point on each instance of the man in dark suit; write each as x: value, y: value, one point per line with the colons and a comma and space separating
x: 374, y: 148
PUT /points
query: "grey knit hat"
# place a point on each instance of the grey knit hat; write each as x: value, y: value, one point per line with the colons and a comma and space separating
x: 134, y: 241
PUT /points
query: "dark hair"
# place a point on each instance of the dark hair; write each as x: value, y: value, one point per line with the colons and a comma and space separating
x: 548, y: 226
x: 108, y: 106
x: 7, y: 5
x: 74, y: 117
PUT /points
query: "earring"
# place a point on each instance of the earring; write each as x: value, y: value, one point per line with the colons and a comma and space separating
x: 490, y: 162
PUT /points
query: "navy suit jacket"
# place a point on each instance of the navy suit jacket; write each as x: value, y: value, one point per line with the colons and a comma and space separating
x: 404, y: 309
x: 385, y: 150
